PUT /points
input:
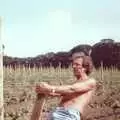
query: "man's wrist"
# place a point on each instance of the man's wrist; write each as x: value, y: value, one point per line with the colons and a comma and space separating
x: 53, y: 90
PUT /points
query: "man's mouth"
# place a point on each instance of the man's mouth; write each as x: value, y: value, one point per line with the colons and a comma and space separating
x: 76, y: 71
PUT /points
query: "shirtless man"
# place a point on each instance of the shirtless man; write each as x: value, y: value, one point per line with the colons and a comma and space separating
x: 75, y: 96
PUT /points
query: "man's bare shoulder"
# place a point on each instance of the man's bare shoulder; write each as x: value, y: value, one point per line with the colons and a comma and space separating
x: 93, y: 80
x: 90, y: 82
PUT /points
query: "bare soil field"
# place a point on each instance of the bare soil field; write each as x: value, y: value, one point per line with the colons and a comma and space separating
x: 20, y: 96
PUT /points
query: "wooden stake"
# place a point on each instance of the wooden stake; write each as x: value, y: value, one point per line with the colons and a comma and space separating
x: 38, y: 107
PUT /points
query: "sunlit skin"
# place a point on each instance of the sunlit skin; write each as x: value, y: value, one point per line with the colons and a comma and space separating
x: 76, y: 95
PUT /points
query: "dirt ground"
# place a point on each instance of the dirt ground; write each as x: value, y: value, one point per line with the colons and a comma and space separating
x: 18, y: 105
x: 20, y: 97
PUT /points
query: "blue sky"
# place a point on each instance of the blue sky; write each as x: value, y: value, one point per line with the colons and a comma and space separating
x: 33, y: 27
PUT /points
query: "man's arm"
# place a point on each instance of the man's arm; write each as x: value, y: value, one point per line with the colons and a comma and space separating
x: 79, y: 87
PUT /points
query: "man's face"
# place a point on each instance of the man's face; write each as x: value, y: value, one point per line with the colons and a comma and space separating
x: 77, y: 67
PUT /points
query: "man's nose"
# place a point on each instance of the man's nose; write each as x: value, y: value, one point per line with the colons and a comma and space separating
x: 74, y: 65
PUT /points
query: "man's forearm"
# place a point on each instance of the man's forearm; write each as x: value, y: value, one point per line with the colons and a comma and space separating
x: 67, y: 89
x: 63, y: 90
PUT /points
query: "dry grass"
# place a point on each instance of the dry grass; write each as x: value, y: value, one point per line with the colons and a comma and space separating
x: 19, y: 94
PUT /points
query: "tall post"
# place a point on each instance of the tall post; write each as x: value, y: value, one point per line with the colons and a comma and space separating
x: 1, y: 73
x: 102, y: 70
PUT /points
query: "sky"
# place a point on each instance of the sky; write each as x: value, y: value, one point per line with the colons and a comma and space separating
x: 34, y: 27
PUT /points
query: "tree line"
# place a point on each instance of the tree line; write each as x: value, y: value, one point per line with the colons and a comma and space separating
x: 106, y: 51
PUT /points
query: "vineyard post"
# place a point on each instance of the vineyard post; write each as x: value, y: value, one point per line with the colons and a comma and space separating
x: 1, y: 73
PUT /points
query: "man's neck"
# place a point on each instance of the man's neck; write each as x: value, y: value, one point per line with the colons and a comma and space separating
x: 82, y: 78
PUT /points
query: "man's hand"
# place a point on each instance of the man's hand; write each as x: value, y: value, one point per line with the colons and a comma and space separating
x: 43, y: 87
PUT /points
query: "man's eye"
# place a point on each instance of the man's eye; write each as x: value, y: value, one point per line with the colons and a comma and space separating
x: 77, y: 65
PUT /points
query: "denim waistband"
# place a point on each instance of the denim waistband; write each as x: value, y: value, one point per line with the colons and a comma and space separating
x: 62, y: 113
x: 69, y: 109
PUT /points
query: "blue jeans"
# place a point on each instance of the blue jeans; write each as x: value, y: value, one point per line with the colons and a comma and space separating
x: 61, y: 113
